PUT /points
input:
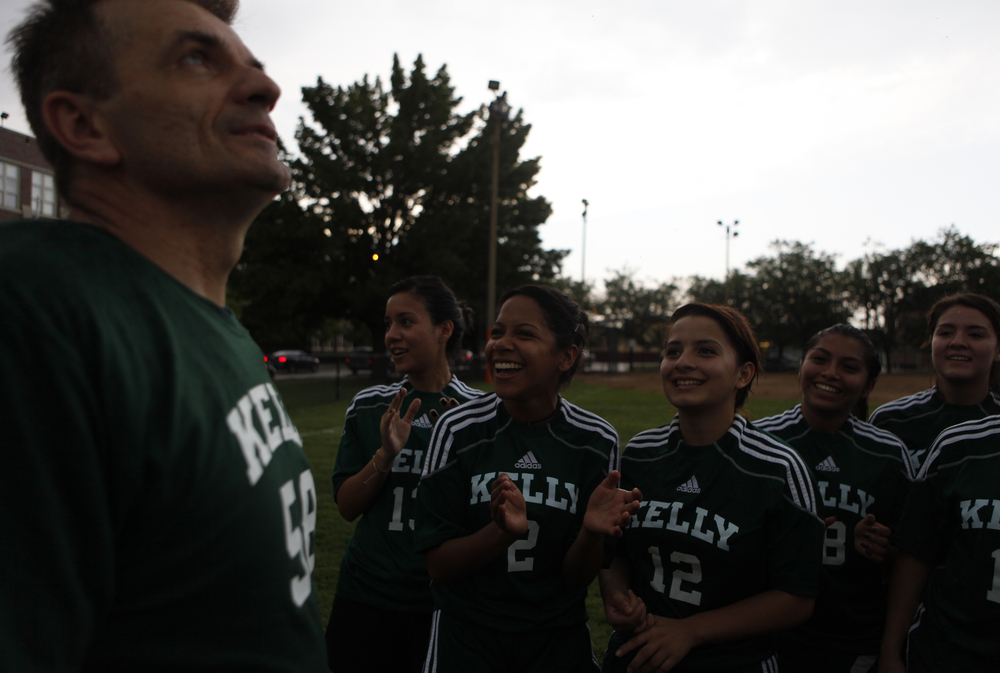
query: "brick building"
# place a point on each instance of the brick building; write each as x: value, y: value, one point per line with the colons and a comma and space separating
x: 27, y: 184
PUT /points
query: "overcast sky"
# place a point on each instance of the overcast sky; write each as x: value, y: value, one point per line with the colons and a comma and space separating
x: 830, y: 123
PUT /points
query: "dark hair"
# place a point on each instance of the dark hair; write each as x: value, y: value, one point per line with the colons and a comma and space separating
x: 988, y: 307
x: 563, y: 316
x: 873, y: 365
x: 738, y: 332
x: 63, y: 46
x: 441, y: 305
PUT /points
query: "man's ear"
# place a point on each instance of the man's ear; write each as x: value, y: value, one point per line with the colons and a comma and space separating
x: 77, y: 124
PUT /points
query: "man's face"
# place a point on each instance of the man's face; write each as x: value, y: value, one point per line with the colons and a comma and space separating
x: 191, y: 114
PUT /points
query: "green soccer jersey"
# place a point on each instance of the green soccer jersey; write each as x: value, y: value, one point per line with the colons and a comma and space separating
x: 380, y: 567
x: 951, y: 520
x: 919, y: 418
x: 556, y: 466
x: 859, y: 470
x: 719, y: 524
x: 158, y: 510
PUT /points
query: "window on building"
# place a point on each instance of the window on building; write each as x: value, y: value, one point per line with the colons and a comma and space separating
x: 10, y: 185
x: 43, y: 194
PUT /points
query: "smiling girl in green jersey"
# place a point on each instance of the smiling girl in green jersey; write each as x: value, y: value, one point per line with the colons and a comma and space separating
x: 516, y: 500
x: 862, y: 473
x: 962, y: 332
x: 944, y: 594
x: 725, y: 549
x: 380, y: 619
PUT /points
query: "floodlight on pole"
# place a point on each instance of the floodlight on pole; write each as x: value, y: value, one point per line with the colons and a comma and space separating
x: 583, y: 252
x: 730, y: 233
x: 498, y: 115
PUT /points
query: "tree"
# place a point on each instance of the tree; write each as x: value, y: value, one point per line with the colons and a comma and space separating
x: 787, y: 297
x: 955, y: 263
x: 734, y: 291
x: 637, y: 312
x: 283, y: 287
x: 796, y: 293
x: 400, y: 184
x: 894, y: 289
x: 884, y: 287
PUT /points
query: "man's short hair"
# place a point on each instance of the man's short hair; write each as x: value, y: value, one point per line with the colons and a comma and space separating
x: 62, y: 46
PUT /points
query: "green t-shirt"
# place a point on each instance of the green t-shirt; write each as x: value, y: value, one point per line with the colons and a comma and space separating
x: 951, y: 519
x: 919, y: 418
x: 719, y: 524
x: 859, y: 470
x: 556, y: 465
x: 158, y: 510
x: 380, y: 567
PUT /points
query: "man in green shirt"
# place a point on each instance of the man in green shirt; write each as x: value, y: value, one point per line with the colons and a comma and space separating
x: 158, y: 512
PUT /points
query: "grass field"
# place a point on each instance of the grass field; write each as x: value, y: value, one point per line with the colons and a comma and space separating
x: 319, y: 418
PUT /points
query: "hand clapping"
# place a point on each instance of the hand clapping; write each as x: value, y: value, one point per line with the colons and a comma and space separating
x: 610, y: 508
x: 507, y: 506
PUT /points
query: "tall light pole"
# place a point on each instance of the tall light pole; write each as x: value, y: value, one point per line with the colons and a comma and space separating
x: 583, y: 254
x: 730, y: 233
x: 498, y: 115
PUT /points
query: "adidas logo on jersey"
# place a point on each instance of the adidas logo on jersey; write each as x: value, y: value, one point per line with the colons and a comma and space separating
x: 691, y: 486
x: 423, y: 422
x: 828, y: 466
x: 528, y: 462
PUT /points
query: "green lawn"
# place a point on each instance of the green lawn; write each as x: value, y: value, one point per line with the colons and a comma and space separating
x: 319, y: 417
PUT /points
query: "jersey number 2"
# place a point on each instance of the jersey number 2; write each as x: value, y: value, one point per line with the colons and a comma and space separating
x: 527, y: 563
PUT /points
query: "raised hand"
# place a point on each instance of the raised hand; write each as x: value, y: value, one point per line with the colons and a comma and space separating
x: 871, y: 539
x: 507, y: 506
x: 625, y: 612
x: 395, y: 429
x: 609, y: 507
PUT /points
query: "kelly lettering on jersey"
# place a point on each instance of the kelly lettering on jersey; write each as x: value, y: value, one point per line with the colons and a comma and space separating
x: 261, y: 425
x: 673, y: 516
x: 844, y: 497
x: 969, y: 511
x: 550, y: 492
x: 403, y: 463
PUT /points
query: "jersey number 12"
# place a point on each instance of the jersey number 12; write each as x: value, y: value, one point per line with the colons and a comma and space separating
x: 691, y: 575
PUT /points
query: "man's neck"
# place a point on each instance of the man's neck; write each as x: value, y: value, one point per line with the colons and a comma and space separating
x: 197, y: 244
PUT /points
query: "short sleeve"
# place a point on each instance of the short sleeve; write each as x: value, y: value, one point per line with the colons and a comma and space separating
x: 595, y: 479
x: 442, y: 500
x: 794, y: 547
x: 922, y: 528
x: 352, y: 456
x: 57, y: 494
x: 897, y: 486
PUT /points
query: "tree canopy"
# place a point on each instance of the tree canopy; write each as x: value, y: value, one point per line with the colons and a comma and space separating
x: 391, y: 183
x: 638, y: 312
x: 792, y: 294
